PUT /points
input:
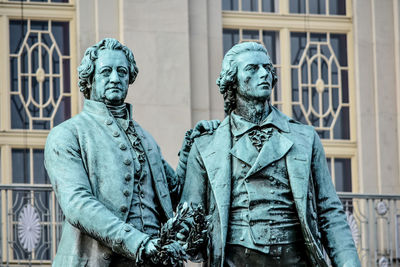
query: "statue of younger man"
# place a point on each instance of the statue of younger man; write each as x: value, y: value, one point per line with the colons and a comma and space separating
x: 111, y: 181
x: 264, y: 178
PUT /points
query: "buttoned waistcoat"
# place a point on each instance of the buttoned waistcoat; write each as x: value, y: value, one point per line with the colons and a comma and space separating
x: 323, y: 221
x: 90, y: 163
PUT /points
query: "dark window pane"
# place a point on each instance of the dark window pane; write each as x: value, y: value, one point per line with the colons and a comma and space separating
x: 39, y: 172
x: 14, y: 74
x: 230, y: 38
x: 318, y: 37
x: 298, y: 41
x: 230, y: 5
x: 297, y: 6
x: 269, y: 39
x: 345, y: 86
x: 337, y: 7
x: 66, y: 75
x: 20, y: 165
x: 317, y: 6
x: 63, y: 111
x: 341, y: 129
x: 60, y: 31
x: 250, y: 5
x: 19, y: 118
x: 251, y: 35
x: 343, y: 175
x: 268, y: 5
x: 41, y: 124
x: 39, y: 25
x: 298, y: 114
x: 295, y: 85
x: 59, y: 1
x: 18, y: 29
x: 339, y: 46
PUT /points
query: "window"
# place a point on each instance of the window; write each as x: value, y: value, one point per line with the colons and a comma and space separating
x: 38, y: 91
x: 311, y: 48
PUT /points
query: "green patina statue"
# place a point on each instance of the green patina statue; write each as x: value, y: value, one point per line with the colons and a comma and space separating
x: 111, y: 181
x: 264, y: 179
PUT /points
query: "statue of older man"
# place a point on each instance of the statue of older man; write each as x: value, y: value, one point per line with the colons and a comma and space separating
x: 264, y: 178
x: 109, y: 176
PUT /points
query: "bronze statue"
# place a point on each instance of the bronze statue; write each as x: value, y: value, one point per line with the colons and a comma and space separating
x: 263, y: 178
x: 111, y: 181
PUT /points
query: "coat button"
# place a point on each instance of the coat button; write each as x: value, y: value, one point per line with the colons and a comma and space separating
x: 310, y: 195
x: 115, y: 134
x: 243, y: 165
x: 272, y: 191
x: 108, y: 121
x: 126, y: 193
x: 119, y: 240
x: 123, y: 209
x: 142, y: 206
x: 122, y: 146
x: 127, y: 229
x: 246, y: 180
x: 128, y: 177
x: 106, y: 256
x: 142, y: 195
x: 127, y: 162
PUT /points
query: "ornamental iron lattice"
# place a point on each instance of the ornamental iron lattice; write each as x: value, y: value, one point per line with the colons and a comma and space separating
x: 40, y: 74
x: 320, y: 93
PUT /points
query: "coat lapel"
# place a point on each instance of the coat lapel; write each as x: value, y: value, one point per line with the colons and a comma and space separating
x: 274, y: 148
x: 244, y: 151
x: 298, y: 166
x: 217, y: 161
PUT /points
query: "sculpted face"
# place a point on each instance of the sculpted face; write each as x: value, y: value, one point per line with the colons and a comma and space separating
x: 111, y: 77
x: 254, y: 76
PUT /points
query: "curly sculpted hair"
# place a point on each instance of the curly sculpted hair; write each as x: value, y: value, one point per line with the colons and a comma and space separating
x: 227, y: 80
x: 87, y: 66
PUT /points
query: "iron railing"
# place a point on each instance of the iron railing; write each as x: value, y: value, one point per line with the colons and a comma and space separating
x: 31, y: 222
x: 375, y: 224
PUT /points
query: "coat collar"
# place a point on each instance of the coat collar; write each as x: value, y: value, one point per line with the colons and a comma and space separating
x: 100, y: 108
x: 275, y: 118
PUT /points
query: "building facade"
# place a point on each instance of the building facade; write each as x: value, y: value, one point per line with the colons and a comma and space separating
x: 338, y: 63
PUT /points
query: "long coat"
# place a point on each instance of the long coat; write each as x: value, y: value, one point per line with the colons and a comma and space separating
x: 321, y: 215
x: 89, y: 160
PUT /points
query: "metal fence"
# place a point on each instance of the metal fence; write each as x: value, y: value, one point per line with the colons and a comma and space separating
x: 31, y: 222
x: 375, y: 224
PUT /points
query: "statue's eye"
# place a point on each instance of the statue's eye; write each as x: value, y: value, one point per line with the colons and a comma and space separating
x: 106, y: 71
x: 122, y: 72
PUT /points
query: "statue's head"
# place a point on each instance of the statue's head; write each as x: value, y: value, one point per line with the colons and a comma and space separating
x: 106, y: 71
x: 247, y: 71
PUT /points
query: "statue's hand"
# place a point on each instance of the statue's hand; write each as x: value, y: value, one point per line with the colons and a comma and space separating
x: 150, y: 248
x: 204, y: 127
x: 175, y: 251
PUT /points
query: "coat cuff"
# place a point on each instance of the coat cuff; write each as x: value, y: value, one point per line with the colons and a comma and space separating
x: 129, y: 242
